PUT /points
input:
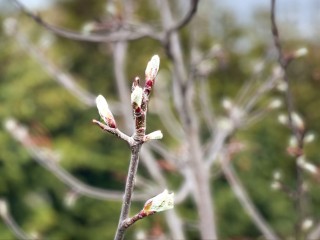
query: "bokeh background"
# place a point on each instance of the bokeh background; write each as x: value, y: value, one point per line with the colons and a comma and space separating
x: 59, y: 122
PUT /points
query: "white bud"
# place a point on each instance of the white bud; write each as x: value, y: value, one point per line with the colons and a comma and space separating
x: 227, y: 104
x: 283, y: 119
x: 3, y: 208
x: 277, y: 175
x: 309, y: 138
x: 87, y: 28
x: 301, y: 160
x: 10, y: 26
x: 152, y: 68
x: 297, y: 120
x: 141, y: 235
x: 105, y: 112
x: 275, y: 103
x: 154, y: 135
x: 70, y: 199
x: 225, y: 124
x: 275, y: 185
x: 10, y: 124
x: 163, y: 201
x: 309, y: 167
x: 258, y: 67
x: 282, y: 86
x: 307, y: 224
x: 277, y: 72
x: 293, y: 142
x: 136, y: 96
x: 301, y: 52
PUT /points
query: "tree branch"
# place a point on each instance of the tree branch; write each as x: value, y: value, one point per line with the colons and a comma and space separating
x: 297, y: 132
x: 48, y: 161
x: 244, y: 199
x: 11, y: 223
x: 134, y: 161
x: 120, y: 35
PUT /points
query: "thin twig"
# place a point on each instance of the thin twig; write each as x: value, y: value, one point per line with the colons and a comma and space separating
x: 183, y: 22
x: 121, y: 35
x: 298, y: 133
x: 48, y: 161
x: 134, y: 162
x: 114, y: 131
x: 15, y: 228
x: 244, y: 198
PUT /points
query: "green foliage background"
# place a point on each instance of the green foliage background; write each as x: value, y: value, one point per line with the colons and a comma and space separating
x: 27, y: 93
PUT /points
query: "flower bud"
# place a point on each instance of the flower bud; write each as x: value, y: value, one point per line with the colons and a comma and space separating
x: 136, y: 96
x: 152, y: 68
x: 283, y: 119
x: 307, y: 224
x: 300, y: 52
x: 277, y: 175
x: 153, y: 136
x: 309, y: 138
x: 297, y: 121
x: 309, y: 167
x: 227, y: 104
x: 275, y: 185
x: 3, y: 208
x: 163, y: 201
x: 105, y: 112
x: 275, y: 103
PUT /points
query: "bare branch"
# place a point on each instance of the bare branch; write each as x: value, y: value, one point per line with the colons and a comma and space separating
x: 183, y: 22
x: 47, y: 159
x: 120, y: 35
x: 57, y: 74
x: 12, y: 224
x: 315, y: 233
x: 114, y: 131
x: 134, y: 162
x: 297, y: 132
x: 244, y: 199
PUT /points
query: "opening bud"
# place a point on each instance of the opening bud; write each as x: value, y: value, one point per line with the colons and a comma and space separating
x: 105, y: 112
x: 153, y: 136
x: 152, y: 68
x: 136, y: 96
x: 163, y: 201
x: 300, y: 52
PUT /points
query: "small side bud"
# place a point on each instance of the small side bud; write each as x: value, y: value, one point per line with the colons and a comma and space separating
x: 307, y: 166
x: 297, y: 121
x: 283, y: 119
x: 310, y: 137
x: 277, y: 175
x: 301, y: 52
x: 307, y: 224
x: 152, y: 68
x: 282, y: 86
x: 136, y: 96
x: 163, y: 201
x: 275, y: 185
x: 227, y: 104
x: 105, y: 112
x: 70, y: 199
x: 153, y: 136
x: 3, y: 208
x: 275, y: 104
